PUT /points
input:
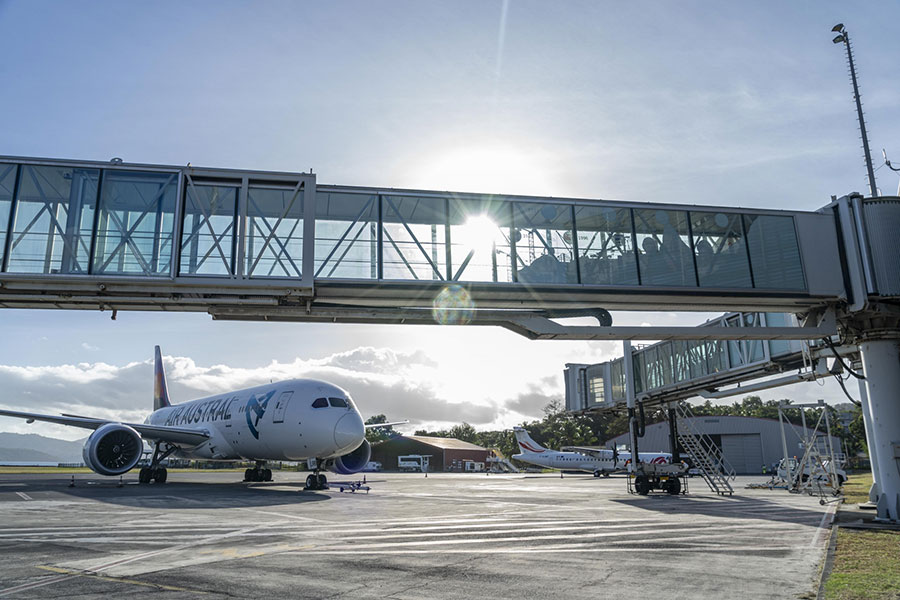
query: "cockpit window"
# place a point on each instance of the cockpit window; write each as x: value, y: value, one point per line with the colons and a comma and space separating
x: 338, y: 402
x: 320, y: 403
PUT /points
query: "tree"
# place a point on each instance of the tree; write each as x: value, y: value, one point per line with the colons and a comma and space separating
x: 378, y: 434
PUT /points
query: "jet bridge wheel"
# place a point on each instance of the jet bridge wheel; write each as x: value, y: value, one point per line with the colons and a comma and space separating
x: 642, y: 485
x: 673, y: 486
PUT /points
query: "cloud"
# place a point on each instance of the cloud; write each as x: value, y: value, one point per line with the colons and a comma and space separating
x: 531, y: 403
x: 381, y: 381
x: 88, y: 347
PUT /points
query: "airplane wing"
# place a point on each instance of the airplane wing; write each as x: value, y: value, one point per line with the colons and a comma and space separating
x: 174, y: 435
x: 375, y: 425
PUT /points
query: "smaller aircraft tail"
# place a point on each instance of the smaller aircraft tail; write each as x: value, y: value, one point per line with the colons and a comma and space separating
x: 526, y: 444
x: 160, y: 389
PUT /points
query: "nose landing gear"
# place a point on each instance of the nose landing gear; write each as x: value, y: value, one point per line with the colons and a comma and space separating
x: 316, y: 481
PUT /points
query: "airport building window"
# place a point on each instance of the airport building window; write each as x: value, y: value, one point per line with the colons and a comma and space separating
x: 53, y: 220
x: 338, y: 402
x: 720, y: 250
x: 774, y: 252
x: 414, y: 237
x: 8, y: 175
x: 605, y: 243
x: 545, y: 247
x: 664, y: 243
x: 207, y: 237
x: 480, y: 230
x: 346, y: 244
x: 320, y: 403
x: 136, y: 223
x: 274, y: 239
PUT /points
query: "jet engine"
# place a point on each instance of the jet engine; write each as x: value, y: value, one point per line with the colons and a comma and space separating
x: 113, y: 449
x: 353, y: 462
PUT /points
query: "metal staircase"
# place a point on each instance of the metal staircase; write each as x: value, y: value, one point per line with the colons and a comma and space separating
x: 706, y: 456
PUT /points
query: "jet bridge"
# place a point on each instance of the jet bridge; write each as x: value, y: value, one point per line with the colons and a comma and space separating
x: 674, y: 370
x: 242, y: 244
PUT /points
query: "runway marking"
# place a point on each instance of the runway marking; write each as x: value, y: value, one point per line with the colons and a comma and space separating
x: 23, y: 496
x: 544, y: 549
x: 126, y: 560
x: 820, y: 532
x: 12, y: 485
x: 160, y: 586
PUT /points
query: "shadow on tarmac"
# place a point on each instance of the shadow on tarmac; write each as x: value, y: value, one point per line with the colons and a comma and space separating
x: 175, y: 494
x: 746, y: 507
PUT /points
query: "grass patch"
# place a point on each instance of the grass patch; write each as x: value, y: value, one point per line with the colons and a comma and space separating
x: 866, y: 566
x: 856, y: 488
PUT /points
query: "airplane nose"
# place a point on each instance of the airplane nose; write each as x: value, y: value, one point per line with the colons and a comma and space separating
x: 349, y: 431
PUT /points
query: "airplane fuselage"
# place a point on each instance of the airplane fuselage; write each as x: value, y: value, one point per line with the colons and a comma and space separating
x: 288, y: 420
x: 574, y: 461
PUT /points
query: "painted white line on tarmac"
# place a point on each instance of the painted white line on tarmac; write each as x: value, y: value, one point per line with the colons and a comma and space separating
x: 820, y: 532
x: 23, y: 496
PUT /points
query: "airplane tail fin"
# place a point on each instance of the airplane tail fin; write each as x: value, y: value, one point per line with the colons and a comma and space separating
x: 160, y: 389
x: 526, y: 444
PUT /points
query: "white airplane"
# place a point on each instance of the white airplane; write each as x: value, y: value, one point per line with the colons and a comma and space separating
x: 599, y: 461
x: 298, y: 419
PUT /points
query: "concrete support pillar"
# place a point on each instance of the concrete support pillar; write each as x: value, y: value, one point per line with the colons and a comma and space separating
x: 874, y: 491
x: 881, y: 365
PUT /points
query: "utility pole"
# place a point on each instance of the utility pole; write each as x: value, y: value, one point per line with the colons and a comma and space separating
x: 844, y: 36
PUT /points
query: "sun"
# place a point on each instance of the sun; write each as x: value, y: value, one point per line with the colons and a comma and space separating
x: 495, y: 168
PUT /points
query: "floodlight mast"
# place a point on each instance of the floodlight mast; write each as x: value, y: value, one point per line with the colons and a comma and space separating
x: 844, y: 36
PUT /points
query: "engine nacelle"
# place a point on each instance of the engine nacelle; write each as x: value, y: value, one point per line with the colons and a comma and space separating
x: 113, y: 449
x: 353, y: 462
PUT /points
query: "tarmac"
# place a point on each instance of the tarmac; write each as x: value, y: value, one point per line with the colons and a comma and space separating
x: 453, y: 536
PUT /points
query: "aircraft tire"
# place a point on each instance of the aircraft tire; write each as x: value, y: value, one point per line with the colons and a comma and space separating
x: 321, y: 481
x: 267, y: 475
x: 596, y: 473
x: 248, y: 474
x: 144, y: 475
x: 160, y: 475
x: 311, y: 482
x: 606, y: 473
x: 641, y: 485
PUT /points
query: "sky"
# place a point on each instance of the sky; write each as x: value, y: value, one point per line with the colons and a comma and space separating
x: 737, y: 104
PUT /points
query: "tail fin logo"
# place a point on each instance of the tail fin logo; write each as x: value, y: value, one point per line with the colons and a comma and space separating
x: 258, y: 407
x: 160, y: 389
x: 529, y: 448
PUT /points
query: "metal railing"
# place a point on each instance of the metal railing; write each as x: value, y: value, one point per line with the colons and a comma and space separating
x: 706, y: 456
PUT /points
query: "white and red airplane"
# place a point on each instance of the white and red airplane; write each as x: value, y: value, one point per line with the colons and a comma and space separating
x: 293, y: 420
x: 599, y: 461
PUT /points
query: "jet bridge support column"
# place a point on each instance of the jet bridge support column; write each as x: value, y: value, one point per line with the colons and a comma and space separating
x: 881, y: 366
x: 629, y: 402
x: 874, y: 491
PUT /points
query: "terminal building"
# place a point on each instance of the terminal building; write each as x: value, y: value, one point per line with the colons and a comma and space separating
x: 747, y: 443
x: 446, y: 454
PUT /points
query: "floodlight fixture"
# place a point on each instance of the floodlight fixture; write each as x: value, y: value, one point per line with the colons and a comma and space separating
x: 839, y: 28
x: 838, y: 39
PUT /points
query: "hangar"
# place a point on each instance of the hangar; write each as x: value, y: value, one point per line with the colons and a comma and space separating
x: 747, y: 443
x: 447, y: 454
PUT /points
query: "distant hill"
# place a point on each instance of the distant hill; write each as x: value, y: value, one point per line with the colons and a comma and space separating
x: 30, y: 446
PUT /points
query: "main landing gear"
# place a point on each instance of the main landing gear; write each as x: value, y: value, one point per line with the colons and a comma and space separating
x: 316, y: 481
x: 258, y: 473
x: 155, y: 472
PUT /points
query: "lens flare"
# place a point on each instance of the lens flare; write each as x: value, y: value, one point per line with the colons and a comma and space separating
x: 453, y: 306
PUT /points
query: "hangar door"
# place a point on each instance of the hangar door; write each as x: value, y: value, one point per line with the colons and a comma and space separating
x: 743, y: 451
